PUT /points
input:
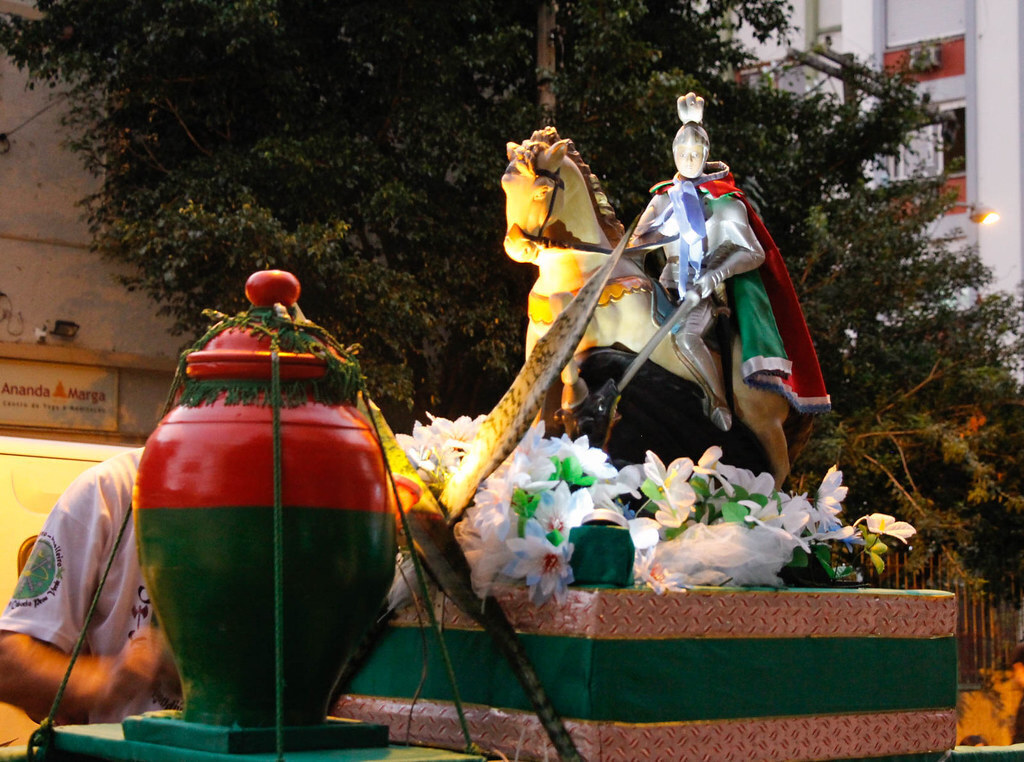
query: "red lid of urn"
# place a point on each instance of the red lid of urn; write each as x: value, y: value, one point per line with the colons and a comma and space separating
x: 241, y: 354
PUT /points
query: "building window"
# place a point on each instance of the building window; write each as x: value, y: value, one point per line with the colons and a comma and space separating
x: 910, y: 21
x: 935, y: 148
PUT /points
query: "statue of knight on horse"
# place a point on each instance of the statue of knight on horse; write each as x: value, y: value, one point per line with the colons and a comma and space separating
x: 713, y: 348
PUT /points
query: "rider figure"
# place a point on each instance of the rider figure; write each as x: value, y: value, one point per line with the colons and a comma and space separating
x: 706, y: 240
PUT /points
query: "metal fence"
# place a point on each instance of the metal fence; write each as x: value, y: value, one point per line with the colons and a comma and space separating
x: 988, y: 626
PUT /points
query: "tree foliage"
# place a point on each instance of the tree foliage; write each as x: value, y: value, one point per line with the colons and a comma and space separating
x: 360, y: 145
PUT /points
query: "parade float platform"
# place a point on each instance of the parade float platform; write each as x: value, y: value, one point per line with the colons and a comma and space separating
x: 716, y: 674
x: 89, y: 743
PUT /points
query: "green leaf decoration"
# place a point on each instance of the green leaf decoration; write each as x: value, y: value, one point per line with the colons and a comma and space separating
x: 570, y: 471
x: 673, y: 532
x: 800, y: 559
x: 877, y: 562
x: 555, y: 537
x: 700, y: 486
x: 845, y: 570
x: 651, y: 490
x: 824, y: 555
x: 524, y: 503
x: 761, y: 500
x: 735, y: 513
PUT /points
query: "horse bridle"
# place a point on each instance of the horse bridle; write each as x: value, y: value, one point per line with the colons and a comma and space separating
x: 542, y: 240
x: 556, y: 179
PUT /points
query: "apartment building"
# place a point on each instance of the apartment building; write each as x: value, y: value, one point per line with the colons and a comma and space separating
x: 968, y: 56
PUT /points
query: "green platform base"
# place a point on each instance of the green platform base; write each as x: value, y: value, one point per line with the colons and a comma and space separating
x: 168, y: 729
x: 89, y: 743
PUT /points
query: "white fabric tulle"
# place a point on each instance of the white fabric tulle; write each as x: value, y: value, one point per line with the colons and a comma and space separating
x: 726, y: 554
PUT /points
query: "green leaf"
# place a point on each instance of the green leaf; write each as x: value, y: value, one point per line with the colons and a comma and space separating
x: 700, y: 486
x: 877, y: 562
x: 570, y: 471
x: 824, y: 554
x: 672, y: 533
x: 800, y: 559
x: 734, y: 513
x: 651, y: 490
x: 555, y: 537
x: 524, y: 503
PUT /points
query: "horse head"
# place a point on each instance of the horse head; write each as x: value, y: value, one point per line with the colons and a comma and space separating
x: 552, y: 199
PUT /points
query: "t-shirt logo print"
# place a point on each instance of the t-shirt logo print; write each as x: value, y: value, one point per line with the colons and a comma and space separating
x: 42, y: 573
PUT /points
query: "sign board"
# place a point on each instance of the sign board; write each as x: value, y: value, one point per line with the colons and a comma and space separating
x: 58, y: 396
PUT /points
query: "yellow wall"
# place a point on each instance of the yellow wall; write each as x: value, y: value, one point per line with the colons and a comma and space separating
x: 990, y: 712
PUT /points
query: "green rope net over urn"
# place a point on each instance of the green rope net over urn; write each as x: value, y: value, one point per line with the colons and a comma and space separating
x: 231, y: 363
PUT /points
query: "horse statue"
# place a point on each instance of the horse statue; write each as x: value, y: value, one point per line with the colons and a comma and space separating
x: 560, y: 220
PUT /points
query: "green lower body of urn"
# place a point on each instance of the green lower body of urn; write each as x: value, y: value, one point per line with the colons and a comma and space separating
x: 210, y: 573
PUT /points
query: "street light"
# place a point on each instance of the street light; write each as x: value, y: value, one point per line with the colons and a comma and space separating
x: 983, y: 215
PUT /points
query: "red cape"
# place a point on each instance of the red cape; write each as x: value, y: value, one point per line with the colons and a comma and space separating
x: 805, y: 386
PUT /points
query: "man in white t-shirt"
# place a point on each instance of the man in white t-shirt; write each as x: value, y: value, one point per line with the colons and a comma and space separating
x: 123, y: 668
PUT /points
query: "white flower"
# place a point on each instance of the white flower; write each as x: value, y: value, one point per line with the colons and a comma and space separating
x: 708, y: 463
x: 559, y: 510
x: 884, y: 524
x: 532, y: 473
x: 626, y: 482
x: 593, y: 460
x: 544, y: 566
x: 677, y: 504
x: 831, y: 493
x: 788, y: 522
x: 658, y: 577
x: 436, y: 450
x: 755, y: 484
x: 489, y: 514
x: 845, y: 534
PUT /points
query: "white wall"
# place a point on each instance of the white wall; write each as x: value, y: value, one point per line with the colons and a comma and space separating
x: 992, y: 89
x: 46, y: 269
x: 997, y: 88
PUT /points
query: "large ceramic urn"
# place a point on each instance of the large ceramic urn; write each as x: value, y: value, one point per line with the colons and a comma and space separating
x: 264, y: 489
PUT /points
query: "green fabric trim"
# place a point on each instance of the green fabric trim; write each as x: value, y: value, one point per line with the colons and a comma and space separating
x: 92, y: 743
x: 928, y: 756
x: 754, y: 317
x: 677, y: 680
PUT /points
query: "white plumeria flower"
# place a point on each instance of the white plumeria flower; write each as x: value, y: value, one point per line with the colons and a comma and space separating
x: 655, y: 470
x: 677, y: 505
x: 544, y: 567
x: 789, y: 517
x: 884, y: 524
x: 708, y: 463
x: 831, y: 493
x: 754, y: 484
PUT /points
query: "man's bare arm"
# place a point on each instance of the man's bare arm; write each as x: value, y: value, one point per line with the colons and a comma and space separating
x: 31, y: 672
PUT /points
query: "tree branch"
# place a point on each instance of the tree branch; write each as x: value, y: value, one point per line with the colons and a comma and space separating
x: 192, y: 138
